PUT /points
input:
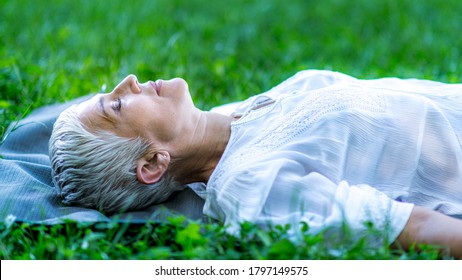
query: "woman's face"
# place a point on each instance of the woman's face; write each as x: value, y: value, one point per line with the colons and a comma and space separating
x: 158, y: 111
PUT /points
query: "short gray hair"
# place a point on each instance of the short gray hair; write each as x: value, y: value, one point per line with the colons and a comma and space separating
x: 98, y: 169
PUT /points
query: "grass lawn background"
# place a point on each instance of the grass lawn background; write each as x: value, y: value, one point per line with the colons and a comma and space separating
x: 53, y: 51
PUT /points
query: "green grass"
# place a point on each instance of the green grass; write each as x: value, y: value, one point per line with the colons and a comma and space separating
x: 180, y: 239
x: 53, y: 51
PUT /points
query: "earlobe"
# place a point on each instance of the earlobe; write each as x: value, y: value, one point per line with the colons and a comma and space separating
x: 150, y: 171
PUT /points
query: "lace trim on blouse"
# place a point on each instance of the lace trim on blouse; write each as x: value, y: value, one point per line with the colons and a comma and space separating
x: 315, y: 105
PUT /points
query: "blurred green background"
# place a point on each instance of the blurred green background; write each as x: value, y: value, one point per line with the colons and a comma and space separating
x: 52, y: 51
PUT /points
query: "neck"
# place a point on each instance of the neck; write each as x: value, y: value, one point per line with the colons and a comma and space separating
x: 197, y: 159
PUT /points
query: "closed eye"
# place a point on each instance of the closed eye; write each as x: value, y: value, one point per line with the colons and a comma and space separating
x: 117, y: 104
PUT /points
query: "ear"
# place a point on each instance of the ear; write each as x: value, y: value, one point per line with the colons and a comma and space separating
x: 149, y: 169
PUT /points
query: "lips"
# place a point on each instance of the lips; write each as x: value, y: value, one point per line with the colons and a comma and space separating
x: 157, y: 85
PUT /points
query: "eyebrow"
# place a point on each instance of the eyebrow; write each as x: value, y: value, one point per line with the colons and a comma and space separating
x: 101, y: 107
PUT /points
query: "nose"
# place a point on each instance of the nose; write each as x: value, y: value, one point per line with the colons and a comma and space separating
x: 130, y: 83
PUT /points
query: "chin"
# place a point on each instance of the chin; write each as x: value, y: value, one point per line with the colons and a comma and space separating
x: 179, y: 82
x: 179, y: 86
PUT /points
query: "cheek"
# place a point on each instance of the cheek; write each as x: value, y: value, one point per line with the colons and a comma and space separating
x: 133, y: 123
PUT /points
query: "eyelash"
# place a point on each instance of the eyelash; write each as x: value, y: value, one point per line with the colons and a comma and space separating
x: 118, y: 104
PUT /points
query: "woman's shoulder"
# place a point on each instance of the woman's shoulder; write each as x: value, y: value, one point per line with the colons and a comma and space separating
x: 310, y: 80
x: 304, y: 80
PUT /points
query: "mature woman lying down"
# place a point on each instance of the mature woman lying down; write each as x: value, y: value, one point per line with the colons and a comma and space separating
x: 322, y: 148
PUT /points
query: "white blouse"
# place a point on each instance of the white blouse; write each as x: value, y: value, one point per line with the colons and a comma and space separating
x: 327, y: 149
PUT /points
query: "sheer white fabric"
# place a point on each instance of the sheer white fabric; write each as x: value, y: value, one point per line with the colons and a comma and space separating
x: 326, y: 149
